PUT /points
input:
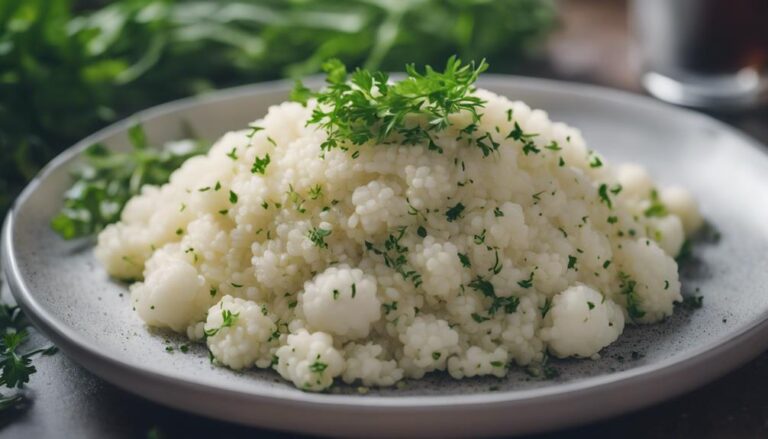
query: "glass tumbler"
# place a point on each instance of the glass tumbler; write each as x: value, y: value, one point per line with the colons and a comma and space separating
x: 709, y: 54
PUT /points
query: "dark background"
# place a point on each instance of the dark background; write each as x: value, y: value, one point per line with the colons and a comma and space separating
x: 591, y: 45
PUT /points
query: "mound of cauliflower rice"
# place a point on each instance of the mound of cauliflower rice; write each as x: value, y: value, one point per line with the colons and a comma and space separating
x: 374, y: 263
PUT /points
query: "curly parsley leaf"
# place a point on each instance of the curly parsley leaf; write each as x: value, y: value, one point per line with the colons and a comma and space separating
x: 364, y: 106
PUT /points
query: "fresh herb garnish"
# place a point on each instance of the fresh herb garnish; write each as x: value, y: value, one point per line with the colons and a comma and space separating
x: 627, y: 286
x: 107, y: 180
x: 657, y: 208
x: 317, y: 235
x: 365, y: 106
x: 227, y: 320
x: 453, y: 213
x: 260, y: 164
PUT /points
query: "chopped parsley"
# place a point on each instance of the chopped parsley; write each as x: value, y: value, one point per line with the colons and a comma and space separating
x: 604, y: 198
x: 394, y: 255
x: 232, y: 197
x: 260, y: 164
x: 527, y: 283
x: 227, y: 320
x: 317, y: 235
x: 421, y: 231
x: 479, y: 239
x: 547, y: 306
x: 464, y: 260
x: 389, y: 307
x: 657, y: 208
x: 483, y: 286
x: 590, y: 305
x: 318, y: 367
x: 233, y: 153
x: 454, y: 212
x: 627, y: 286
x: 572, y: 261
x: 315, y: 192
x: 497, y: 212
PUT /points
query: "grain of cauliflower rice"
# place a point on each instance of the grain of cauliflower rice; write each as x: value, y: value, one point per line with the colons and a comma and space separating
x: 503, y: 240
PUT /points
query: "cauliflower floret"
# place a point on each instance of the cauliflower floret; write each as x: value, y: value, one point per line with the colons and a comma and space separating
x: 681, y: 203
x: 651, y: 277
x: 364, y: 363
x: 520, y: 335
x: 635, y: 182
x: 427, y: 344
x: 341, y: 300
x: 668, y: 233
x: 122, y: 250
x: 239, y: 333
x: 173, y: 294
x: 377, y: 205
x: 309, y: 360
x: 581, y: 322
x: 476, y: 361
x: 439, y: 266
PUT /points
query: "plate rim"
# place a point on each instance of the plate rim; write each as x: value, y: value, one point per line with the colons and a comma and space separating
x: 743, y: 344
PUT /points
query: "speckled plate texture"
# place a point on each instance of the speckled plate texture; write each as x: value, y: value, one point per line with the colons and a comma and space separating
x: 71, y: 299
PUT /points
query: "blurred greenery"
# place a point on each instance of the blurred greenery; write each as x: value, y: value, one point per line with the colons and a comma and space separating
x: 69, y: 67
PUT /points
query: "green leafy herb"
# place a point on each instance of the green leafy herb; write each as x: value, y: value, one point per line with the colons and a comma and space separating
x: 318, y: 367
x: 394, y: 255
x: 627, y: 287
x: 315, y: 192
x: 107, y: 180
x: 527, y: 283
x: 366, y: 107
x: 657, y: 208
x: 464, y: 259
x: 508, y: 304
x: 317, y: 235
x: 604, y: 198
x: 572, y: 261
x: 454, y: 212
x: 478, y: 318
x: 547, y: 306
x: 227, y: 320
x: 260, y: 164
x: 16, y: 366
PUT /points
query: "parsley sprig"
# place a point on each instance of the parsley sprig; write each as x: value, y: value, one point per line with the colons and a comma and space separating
x: 16, y: 366
x: 364, y: 106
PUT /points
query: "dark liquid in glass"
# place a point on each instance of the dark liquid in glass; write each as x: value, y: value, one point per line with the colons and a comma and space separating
x: 727, y: 36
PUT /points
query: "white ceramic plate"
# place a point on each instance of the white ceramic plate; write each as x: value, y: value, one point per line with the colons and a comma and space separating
x: 69, y: 297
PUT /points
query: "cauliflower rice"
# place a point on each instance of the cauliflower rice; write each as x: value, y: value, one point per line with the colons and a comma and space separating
x: 386, y: 262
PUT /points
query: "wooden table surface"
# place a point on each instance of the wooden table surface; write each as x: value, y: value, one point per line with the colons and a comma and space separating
x: 592, y: 45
